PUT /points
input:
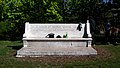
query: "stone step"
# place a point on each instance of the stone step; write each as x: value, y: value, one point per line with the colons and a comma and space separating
x: 58, y: 50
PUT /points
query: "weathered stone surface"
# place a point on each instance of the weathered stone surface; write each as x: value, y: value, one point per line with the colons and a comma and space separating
x: 46, y: 42
x: 41, y: 30
x: 55, y: 50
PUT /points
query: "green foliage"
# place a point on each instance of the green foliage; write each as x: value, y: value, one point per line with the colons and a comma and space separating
x: 14, y: 13
x: 53, y: 14
x: 14, y: 10
x: 79, y: 10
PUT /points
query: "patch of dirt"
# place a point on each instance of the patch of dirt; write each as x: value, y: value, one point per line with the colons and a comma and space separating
x: 102, y: 54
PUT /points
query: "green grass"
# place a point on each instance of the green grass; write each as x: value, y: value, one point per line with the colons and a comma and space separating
x: 8, y: 59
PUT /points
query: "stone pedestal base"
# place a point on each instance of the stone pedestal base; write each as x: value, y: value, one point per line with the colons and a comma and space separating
x: 58, y: 50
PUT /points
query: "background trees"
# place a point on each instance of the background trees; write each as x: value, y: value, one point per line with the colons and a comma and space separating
x: 14, y: 13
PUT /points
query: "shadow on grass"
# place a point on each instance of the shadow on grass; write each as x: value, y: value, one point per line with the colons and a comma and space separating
x: 14, y: 53
x: 16, y: 47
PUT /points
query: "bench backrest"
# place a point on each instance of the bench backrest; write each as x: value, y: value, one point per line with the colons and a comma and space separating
x: 42, y: 30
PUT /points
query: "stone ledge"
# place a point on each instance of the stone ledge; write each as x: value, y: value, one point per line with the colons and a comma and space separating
x: 35, y: 38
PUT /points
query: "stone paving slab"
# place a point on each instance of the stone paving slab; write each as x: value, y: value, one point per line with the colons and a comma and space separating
x: 58, y: 50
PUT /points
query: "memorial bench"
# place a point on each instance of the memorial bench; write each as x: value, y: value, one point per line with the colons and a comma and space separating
x: 36, y: 42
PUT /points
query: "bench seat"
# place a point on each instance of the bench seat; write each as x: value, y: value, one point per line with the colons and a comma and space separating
x: 59, y: 39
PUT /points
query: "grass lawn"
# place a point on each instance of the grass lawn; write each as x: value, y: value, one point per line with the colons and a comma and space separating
x: 108, y: 57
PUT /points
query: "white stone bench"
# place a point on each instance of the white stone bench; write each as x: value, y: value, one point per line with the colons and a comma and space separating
x: 35, y: 36
x: 38, y: 32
